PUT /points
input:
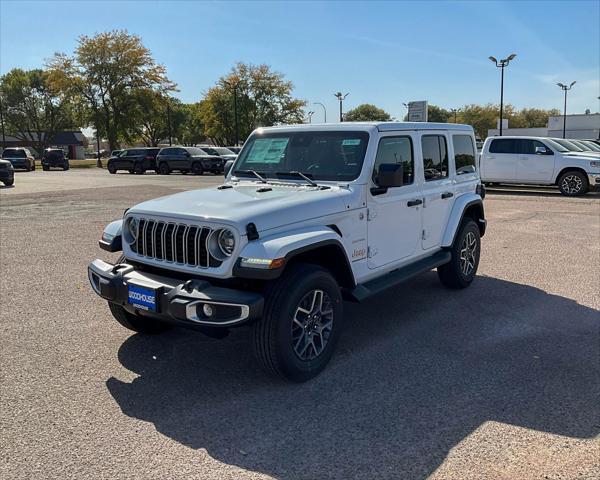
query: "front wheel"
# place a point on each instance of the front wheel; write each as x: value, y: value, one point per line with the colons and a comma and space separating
x: 301, y: 323
x: 573, y: 183
x: 197, y: 168
x: 460, y: 271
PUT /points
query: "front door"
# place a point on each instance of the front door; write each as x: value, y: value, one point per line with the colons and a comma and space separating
x: 536, y: 162
x: 438, y: 187
x: 394, y: 216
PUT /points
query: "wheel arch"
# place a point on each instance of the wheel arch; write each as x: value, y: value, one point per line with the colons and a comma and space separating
x: 465, y: 206
x: 569, y: 169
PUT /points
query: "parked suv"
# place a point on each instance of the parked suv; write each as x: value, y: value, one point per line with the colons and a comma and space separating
x: 307, y: 216
x: 188, y: 159
x: 222, y: 152
x: 134, y: 160
x: 54, y: 157
x: 539, y: 161
x: 7, y: 173
x: 20, y: 158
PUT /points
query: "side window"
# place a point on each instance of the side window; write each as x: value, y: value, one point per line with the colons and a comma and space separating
x: 435, y: 157
x: 504, y: 145
x: 180, y: 152
x: 396, y: 150
x: 166, y: 151
x: 464, y: 154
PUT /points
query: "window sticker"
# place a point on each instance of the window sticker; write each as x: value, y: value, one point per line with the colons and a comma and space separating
x: 267, y: 150
x: 349, y: 142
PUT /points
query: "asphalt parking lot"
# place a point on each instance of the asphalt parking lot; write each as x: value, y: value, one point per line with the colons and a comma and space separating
x: 501, y: 380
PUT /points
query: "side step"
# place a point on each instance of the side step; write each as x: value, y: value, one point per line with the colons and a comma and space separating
x: 372, y: 287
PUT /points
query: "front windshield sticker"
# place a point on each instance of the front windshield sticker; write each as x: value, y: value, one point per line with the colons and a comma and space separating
x: 351, y: 142
x: 267, y: 150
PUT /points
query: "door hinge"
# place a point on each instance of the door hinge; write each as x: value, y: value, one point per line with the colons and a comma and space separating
x: 371, y: 252
x: 370, y: 214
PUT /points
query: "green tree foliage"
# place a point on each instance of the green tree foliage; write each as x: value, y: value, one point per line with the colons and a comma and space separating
x: 192, y: 128
x: 438, y: 114
x: 367, y: 113
x: 105, y: 73
x: 33, y: 109
x: 264, y: 98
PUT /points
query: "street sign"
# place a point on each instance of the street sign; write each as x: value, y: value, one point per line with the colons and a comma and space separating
x: 417, y: 111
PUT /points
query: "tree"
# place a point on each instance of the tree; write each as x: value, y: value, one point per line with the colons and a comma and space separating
x: 264, y: 98
x: 367, y: 113
x: 536, y: 117
x: 192, y: 128
x: 33, y: 110
x: 437, y: 114
x: 105, y: 72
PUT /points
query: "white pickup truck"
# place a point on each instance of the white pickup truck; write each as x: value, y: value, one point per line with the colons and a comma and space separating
x: 307, y: 216
x: 539, y: 161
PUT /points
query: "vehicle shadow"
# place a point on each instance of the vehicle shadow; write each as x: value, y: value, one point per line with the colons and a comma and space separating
x: 417, y: 370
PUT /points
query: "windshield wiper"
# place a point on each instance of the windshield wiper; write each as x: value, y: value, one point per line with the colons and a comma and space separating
x: 299, y: 174
x: 253, y: 172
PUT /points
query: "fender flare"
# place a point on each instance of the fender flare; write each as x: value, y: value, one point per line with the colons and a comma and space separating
x: 111, y: 240
x: 461, y: 204
x: 285, y: 245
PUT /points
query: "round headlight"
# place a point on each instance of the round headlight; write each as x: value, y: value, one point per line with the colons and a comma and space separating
x: 226, y: 241
x: 131, y: 229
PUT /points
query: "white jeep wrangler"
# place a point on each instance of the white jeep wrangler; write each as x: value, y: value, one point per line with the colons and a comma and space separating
x: 308, y: 216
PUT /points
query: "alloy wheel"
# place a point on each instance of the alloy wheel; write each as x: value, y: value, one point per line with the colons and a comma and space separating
x: 468, y: 251
x: 312, y: 324
x: 571, y: 184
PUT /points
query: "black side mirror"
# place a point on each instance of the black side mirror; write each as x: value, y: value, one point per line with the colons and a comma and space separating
x: 390, y: 175
x: 227, y: 167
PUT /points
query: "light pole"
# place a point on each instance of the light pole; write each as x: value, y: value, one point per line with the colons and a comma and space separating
x: 310, y: 114
x: 407, y: 106
x: 341, y: 98
x: 565, y: 89
x: 455, y: 111
x: 324, y: 111
x: 2, y: 124
x: 234, y: 87
x: 501, y: 64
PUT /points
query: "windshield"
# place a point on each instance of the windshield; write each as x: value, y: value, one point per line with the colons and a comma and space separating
x: 556, y: 146
x: 53, y: 153
x: 223, y: 151
x: 592, y: 145
x: 568, y: 145
x: 581, y: 145
x: 335, y: 156
x: 13, y: 153
x: 197, y: 151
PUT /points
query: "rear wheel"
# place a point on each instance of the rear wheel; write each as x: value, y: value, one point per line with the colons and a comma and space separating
x: 573, y: 183
x: 9, y: 183
x: 197, y: 168
x: 301, y: 323
x: 164, y: 169
x: 461, y: 270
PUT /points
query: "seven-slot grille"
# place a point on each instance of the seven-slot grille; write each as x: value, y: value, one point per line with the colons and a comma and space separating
x: 174, y: 242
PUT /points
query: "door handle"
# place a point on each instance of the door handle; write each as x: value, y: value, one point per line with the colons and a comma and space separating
x: 447, y: 195
x: 414, y: 203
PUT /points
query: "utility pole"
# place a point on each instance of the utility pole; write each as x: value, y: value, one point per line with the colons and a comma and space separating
x: 2, y: 124
x: 234, y: 87
x: 341, y: 98
x: 98, y: 161
x: 502, y: 64
x: 324, y: 111
x: 169, y: 122
x: 565, y: 89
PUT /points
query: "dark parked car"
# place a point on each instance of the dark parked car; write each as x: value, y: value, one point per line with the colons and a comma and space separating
x: 222, y: 152
x: 134, y: 160
x: 54, y: 157
x: 235, y: 150
x: 7, y: 173
x: 116, y: 153
x: 188, y: 159
x: 20, y: 158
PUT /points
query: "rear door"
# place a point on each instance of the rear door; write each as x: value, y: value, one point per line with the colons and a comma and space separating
x: 180, y: 159
x: 536, y: 162
x: 501, y: 160
x: 438, y: 186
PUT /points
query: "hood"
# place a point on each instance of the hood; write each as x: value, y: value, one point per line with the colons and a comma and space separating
x: 250, y: 202
x: 582, y: 154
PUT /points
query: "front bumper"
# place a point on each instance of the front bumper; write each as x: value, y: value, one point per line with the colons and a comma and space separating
x: 594, y: 181
x: 177, y: 300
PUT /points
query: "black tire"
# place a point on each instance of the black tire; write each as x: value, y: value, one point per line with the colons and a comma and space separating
x: 45, y: 168
x: 457, y: 273
x: 111, y: 169
x: 9, y: 183
x: 197, y: 168
x: 33, y: 167
x: 65, y: 167
x: 164, y: 169
x: 273, y: 335
x: 573, y: 183
x: 136, y: 323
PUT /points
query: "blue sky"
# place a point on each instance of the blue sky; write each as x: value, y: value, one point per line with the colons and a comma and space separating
x: 384, y: 53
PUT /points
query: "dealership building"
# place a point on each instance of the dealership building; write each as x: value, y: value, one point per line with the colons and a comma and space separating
x: 582, y: 126
x: 73, y: 142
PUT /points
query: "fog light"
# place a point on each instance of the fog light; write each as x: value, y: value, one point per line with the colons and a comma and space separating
x: 208, y: 310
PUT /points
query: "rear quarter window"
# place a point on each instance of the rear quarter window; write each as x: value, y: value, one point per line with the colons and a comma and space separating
x: 464, y: 154
x: 503, y: 145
